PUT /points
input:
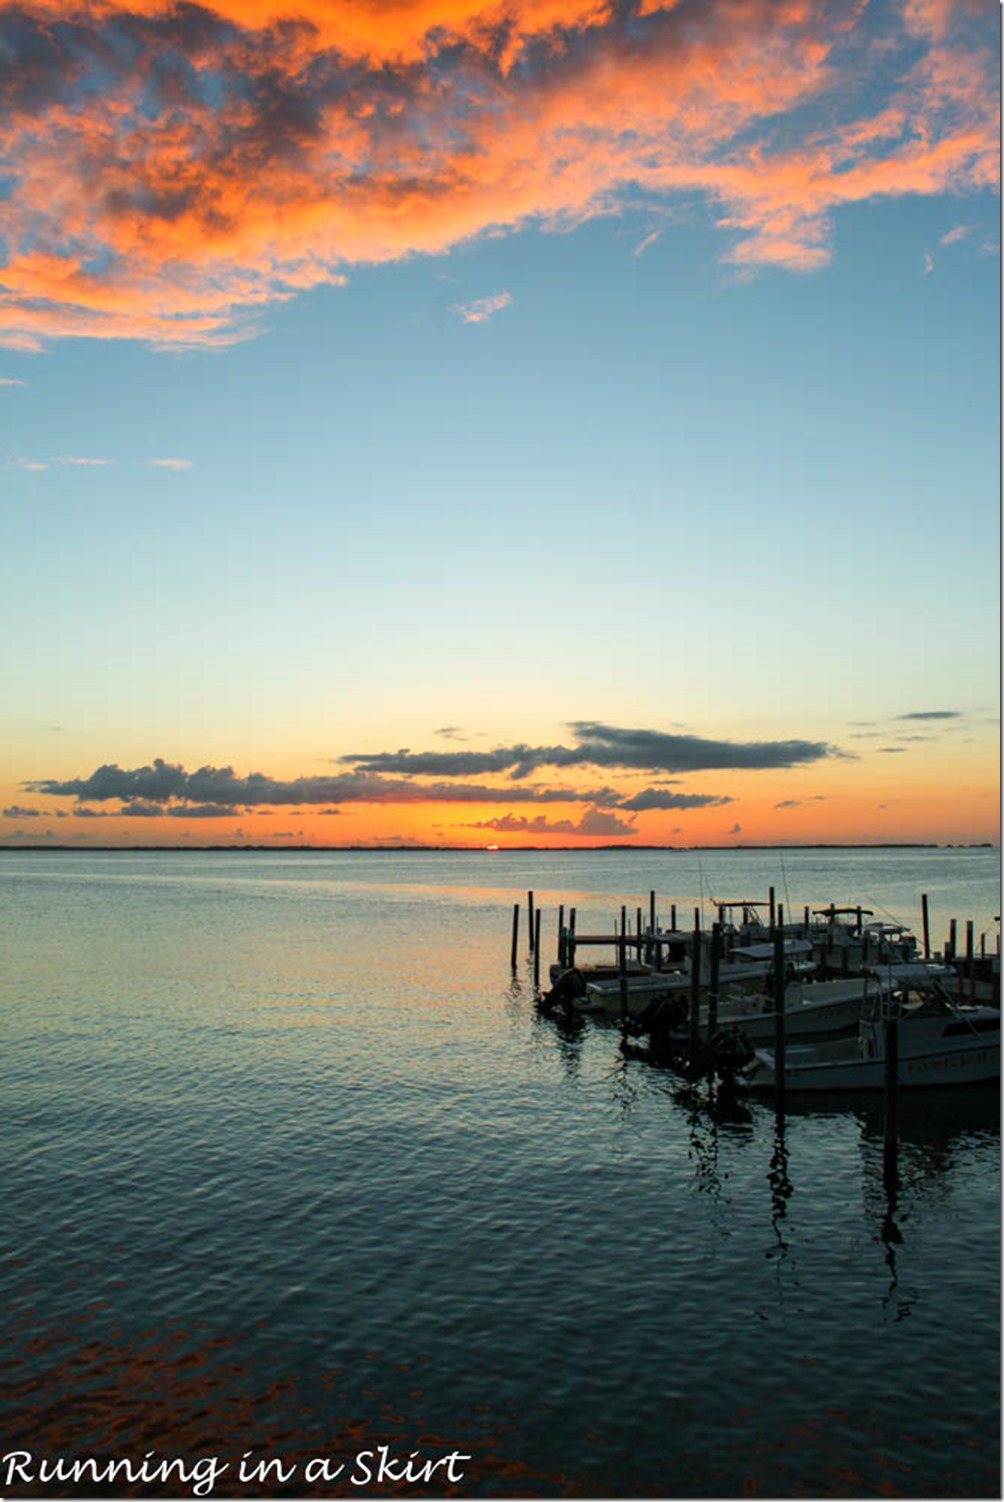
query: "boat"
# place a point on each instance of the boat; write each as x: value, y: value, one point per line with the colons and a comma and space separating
x: 940, y: 1042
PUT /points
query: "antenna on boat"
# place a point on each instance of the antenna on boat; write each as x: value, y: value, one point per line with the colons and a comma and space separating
x: 784, y: 878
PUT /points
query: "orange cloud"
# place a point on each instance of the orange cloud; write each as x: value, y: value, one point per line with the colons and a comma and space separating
x: 175, y: 170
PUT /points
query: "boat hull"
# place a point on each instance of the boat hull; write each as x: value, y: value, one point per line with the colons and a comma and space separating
x: 927, y: 1057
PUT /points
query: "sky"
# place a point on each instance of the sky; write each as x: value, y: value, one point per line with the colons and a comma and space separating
x: 499, y: 422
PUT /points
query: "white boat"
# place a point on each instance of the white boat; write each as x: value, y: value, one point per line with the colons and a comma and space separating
x: 745, y: 973
x: 812, y: 1009
x: 938, y: 1043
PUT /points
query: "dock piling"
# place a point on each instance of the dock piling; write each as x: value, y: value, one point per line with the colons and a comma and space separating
x: 622, y: 969
x: 695, y: 984
x: 716, y: 946
x: 779, y: 989
x: 515, y: 935
x: 536, y: 950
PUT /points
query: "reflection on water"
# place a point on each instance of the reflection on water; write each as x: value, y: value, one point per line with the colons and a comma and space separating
x: 294, y: 1168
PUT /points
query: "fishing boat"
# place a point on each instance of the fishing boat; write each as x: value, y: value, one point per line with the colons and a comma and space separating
x: 742, y: 983
x: 940, y: 1042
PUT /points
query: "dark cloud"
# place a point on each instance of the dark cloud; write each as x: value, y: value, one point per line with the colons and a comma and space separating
x: 654, y: 798
x: 931, y: 714
x: 600, y: 745
x: 167, y: 788
x: 14, y: 812
x: 164, y: 784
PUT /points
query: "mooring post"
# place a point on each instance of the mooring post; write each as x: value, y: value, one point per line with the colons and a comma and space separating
x: 925, y: 919
x: 779, y: 989
x: 570, y: 940
x: 622, y: 969
x: 770, y: 900
x: 695, y: 984
x: 672, y: 917
x: 536, y: 950
x: 561, y: 935
x: 953, y: 935
x: 806, y: 925
x: 890, y: 1134
x: 515, y: 934
x: 970, y: 960
x: 529, y: 919
x: 716, y: 947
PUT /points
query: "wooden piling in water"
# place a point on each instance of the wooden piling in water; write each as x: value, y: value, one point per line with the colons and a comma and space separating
x: 515, y: 934
x: 695, y: 984
x: 529, y: 921
x: 925, y: 920
x: 716, y: 946
x: 779, y: 1019
x: 561, y: 935
x: 570, y: 941
x: 970, y: 960
x: 953, y: 936
x: 622, y: 969
x: 536, y: 950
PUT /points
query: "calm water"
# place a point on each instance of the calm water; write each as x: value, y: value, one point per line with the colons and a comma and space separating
x: 293, y: 1171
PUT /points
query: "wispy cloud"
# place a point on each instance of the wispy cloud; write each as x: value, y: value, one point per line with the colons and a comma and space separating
x: 77, y: 461
x: 175, y: 169
x: 170, y: 463
x: 643, y: 245
x: 482, y: 308
x: 955, y: 235
x: 11, y: 381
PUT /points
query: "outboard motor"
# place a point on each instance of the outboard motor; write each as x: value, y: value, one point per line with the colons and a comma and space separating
x: 567, y: 989
x: 661, y: 1021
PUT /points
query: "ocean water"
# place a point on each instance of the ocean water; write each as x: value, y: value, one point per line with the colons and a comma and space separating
x: 296, y: 1178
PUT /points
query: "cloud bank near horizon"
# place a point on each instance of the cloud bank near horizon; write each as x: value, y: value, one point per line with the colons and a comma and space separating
x: 166, y: 788
x: 174, y: 169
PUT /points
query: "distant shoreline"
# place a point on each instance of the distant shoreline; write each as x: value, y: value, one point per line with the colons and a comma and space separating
x: 465, y: 849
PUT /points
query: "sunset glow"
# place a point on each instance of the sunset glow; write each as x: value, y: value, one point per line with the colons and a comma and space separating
x: 599, y: 402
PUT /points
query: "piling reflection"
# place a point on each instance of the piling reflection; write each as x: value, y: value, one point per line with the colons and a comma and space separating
x: 780, y: 1184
